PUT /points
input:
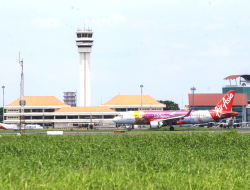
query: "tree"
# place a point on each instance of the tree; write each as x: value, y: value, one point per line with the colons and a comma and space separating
x: 170, y: 105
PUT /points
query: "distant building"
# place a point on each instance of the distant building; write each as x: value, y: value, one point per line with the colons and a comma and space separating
x: 69, y: 98
x: 242, y: 85
x: 209, y: 101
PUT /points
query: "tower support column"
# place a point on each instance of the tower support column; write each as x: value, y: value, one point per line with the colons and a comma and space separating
x: 85, y: 92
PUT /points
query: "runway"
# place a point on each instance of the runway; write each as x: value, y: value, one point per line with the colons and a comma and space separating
x: 107, y: 132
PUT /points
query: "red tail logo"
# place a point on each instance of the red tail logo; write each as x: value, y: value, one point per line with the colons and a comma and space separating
x: 225, y: 104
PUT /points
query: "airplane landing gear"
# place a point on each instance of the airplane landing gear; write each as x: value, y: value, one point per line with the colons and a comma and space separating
x: 171, y: 128
x: 128, y: 127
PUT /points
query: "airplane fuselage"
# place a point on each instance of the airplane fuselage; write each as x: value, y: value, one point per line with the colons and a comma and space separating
x: 145, y: 117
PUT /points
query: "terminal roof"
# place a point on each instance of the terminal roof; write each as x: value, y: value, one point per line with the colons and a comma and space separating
x: 39, y: 101
x: 86, y: 109
x: 132, y: 100
x: 213, y: 99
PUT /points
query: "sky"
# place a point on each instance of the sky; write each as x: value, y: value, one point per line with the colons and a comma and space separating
x: 168, y: 46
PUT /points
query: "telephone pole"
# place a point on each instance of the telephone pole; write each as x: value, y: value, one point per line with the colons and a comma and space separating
x: 141, y: 95
x: 22, y: 101
x: 3, y: 102
x: 193, y: 89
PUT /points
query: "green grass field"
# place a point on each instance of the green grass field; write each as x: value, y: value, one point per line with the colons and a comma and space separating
x: 204, y: 160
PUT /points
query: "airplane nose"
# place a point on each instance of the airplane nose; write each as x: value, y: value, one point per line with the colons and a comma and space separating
x: 115, y: 119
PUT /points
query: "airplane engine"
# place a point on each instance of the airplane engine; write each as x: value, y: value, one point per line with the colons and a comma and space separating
x: 229, y: 123
x: 221, y: 125
x: 237, y: 125
x: 156, y: 124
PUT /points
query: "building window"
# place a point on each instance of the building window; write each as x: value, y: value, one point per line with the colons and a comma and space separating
x: 78, y: 35
x: 132, y: 109
x: 37, y: 117
x: 48, y: 117
x: 84, y: 116
x: 49, y: 110
x: 90, y: 35
x: 37, y: 110
x: 73, y: 117
x: 120, y: 109
x: 96, y: 117
x: 109, y: 116
x: 61, y: 117
x: 26, y: 110
x: 27, y: 117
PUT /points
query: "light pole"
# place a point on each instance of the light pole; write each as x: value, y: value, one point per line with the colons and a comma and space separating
x: 243, y: 85
x: 3, y: 102
x: 193, y: 89
x: 141, y: 95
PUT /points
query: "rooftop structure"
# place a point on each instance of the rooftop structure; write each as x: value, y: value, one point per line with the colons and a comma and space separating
x: 234, y: 77
x: 133, y: 103
x: 84, y: 42
x: 243, y: 86
x: 84, y: 109
x: 70, y: 98
x: 39, y: 101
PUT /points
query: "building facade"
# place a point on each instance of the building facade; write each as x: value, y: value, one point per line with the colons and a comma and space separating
x: 48, y: 111
x: 69, y: 98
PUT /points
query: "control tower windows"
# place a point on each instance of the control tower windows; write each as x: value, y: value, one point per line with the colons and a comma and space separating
x: 78, y: 35
x: 90, y: 35
x: 84, y: 35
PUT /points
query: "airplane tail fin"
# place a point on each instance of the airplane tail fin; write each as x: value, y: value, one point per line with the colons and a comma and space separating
x: 226, y: 102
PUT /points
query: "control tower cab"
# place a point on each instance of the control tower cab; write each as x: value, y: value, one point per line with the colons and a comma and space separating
x: 84, y: 42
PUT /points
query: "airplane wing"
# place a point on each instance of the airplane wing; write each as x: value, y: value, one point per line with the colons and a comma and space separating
x: 174, y: 119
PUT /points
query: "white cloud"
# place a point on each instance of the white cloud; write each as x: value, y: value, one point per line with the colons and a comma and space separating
x: 110, y: 21
x: 46, y: 22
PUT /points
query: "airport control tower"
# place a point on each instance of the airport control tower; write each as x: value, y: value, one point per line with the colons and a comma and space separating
x: 84, y: 41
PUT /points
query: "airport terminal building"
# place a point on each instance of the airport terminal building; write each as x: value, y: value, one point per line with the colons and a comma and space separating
x: 48, y: 111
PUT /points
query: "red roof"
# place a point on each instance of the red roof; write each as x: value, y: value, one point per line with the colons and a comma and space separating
x: 232, y: 77
x: 213, y: 99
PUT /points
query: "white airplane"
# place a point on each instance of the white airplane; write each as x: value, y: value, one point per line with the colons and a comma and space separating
x: 33, y: 127
x: 8, y: 126
x: 15, y: 127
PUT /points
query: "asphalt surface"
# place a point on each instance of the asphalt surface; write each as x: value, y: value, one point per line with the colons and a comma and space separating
x: 112, y: 132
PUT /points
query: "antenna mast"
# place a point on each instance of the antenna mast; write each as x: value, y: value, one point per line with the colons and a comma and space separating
x: 22, y: 101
